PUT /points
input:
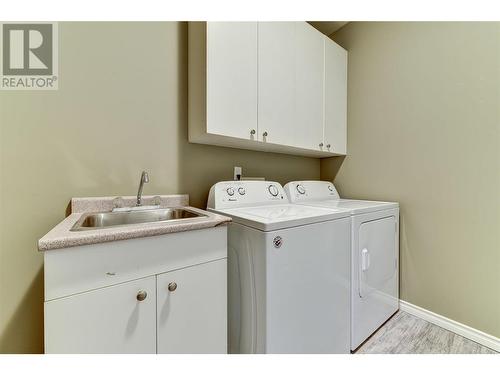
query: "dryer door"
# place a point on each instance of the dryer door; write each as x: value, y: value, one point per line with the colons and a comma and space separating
x: 374, y: 272
x: 377, y: 258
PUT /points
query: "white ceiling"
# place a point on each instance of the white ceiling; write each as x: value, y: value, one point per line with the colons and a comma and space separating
x: 327, y: 27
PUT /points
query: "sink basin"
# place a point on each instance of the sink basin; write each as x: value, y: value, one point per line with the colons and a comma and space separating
x: 112, y: 219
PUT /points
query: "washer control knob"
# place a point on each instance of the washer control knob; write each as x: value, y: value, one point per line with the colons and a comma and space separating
x: 241, y: 191
x: 301, y: 189
x: 230, y: 191
x: 273, y: 190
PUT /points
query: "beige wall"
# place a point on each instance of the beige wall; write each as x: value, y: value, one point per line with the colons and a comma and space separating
x: 120, y: 108
x: 424, y: 130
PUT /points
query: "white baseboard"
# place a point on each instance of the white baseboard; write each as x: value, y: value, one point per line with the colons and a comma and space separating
x: 470, y: 333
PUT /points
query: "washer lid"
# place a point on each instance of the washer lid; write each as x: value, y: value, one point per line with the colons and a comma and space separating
x: 353, y: 206
x: 270, y: 218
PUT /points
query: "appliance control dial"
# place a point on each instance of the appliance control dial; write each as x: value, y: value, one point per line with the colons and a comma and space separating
x: 301, y: 189
x: 241, y: 191
x: 273, y: 190
x: 230, y: 191
x: 330, y: 187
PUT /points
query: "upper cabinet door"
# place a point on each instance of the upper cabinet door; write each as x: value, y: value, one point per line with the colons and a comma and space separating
x: 232, y: 79
x: 309, y: 66
x: 276, y: 114
x: 335, y: 97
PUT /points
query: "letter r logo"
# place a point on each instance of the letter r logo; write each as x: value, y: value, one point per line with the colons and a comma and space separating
x: 27, y: 49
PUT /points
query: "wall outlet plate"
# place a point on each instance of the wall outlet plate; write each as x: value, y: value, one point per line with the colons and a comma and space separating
x: 237, y: 174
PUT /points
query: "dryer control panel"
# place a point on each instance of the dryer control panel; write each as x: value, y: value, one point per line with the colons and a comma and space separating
x: 234, y: 194
x: 303, y: 191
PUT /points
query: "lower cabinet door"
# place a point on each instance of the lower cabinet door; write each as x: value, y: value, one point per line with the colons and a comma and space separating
x: 115, y: 319
x: 192, y: 309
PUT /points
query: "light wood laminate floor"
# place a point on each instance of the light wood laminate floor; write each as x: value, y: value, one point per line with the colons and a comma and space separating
x: 407, y: 334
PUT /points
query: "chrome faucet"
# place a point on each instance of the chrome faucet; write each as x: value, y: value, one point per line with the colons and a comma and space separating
x: 144, y: 180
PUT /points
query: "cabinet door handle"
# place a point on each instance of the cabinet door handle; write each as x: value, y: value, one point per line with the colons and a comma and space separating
x: 321, y: 144
x: 252, y: 132
x: 264, y: 134
x: 141, y: 295
x: 328, y: 145
x: 172, y: 286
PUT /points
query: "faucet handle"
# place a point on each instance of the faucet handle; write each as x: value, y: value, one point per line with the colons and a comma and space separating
x: 145, y: 177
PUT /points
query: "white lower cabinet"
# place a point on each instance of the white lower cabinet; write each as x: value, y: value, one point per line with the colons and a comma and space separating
x: 191, y: 310
x: 161, y: 294
x: 107, y: 320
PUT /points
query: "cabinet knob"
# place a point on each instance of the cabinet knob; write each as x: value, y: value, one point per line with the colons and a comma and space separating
x: 172, y: 286
x: 321, y: 144
x: 252, y: 132
x: 328, y: 145
x: 264, y: 134
x: 141, y: 295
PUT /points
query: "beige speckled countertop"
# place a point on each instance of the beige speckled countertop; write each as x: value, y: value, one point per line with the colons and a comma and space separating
x: 61, y: 236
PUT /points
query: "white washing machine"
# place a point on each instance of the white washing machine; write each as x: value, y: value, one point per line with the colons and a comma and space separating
x: 288, y: 287
x: 375, y: 253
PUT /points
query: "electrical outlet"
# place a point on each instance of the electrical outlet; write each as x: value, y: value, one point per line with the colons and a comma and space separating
x: 237, y: 174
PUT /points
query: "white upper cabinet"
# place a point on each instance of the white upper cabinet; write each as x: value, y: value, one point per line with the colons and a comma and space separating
x: 232, y: 78
x: 276, y: 95
x: 271, y: 86
x: 309, y: 68
x: 335, y: 97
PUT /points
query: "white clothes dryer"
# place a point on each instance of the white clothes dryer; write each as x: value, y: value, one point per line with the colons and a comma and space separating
x: 375, y: 253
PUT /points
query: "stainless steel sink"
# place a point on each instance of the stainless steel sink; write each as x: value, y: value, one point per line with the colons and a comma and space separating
x: 112, y: 219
